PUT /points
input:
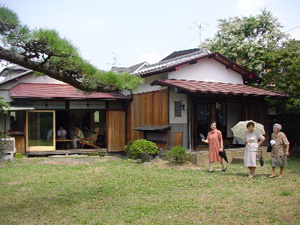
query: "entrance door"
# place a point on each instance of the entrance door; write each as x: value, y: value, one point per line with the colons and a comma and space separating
x: 40, y: 130
x: 115, y: 131
x: 202, y: 120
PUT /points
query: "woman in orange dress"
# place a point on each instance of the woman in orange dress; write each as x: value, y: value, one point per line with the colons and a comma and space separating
x: 215, y: 144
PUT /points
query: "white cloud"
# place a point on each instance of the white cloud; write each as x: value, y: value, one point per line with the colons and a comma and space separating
x: 251, y: 6
x: 153, y: 56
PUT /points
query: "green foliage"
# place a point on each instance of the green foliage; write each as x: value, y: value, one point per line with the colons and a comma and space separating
x: 142, y: 146
x: 3, y: 141
x: 285, y: 193
x: 128, y: 146
x: 178, y: 154
x: 3, y: 105
x: 285, y: 75
x: 18, y: 155
x: 249, y: 41
x: 57, y: 57
x: 100, y: 154
x: 257, y: 43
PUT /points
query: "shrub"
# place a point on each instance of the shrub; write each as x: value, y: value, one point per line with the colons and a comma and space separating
x: 141, y: 146
x: 127, y: 146
x: 18, y: 155
x: 178, y: 154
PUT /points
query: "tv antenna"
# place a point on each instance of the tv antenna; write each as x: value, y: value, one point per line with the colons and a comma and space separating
x: 200, y: 26
x: 115, y: 58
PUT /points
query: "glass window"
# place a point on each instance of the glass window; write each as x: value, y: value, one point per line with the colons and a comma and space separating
x: 177, y: 105
x: 96, y: 117
x: 40, y: 129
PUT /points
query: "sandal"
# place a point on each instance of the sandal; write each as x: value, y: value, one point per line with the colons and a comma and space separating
x: 211, y: 171
x: 224, y: 169
x: 272, y: 176
x: 250, y: 176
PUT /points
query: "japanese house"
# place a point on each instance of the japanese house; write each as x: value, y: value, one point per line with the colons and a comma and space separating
x: 186, y: 91
x: 40, y: 105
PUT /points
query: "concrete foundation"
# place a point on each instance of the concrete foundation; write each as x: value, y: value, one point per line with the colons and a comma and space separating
x: 201, y: 158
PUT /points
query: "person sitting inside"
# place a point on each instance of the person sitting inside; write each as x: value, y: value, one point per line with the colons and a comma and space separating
x: 78, y: 136
x: 61, y: 133
x: 50, y: 135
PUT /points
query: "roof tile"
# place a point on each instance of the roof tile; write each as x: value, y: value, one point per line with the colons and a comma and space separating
x: 217, y: 88
x: 34, y: 90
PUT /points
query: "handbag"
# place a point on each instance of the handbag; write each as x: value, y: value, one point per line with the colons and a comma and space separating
x: 260, y: 157
x: 261, y: 161
x: 269, y: 148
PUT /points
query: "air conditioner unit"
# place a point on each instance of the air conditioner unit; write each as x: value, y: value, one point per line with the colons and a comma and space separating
x: 8, y: 144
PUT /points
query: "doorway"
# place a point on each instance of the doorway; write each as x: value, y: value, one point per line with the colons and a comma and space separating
x: 40, y: 130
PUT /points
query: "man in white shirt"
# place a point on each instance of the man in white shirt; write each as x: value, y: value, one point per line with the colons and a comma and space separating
x: 61, y: 133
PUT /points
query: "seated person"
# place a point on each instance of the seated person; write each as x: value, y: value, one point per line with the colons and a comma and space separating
x: 86, y: 131
x: 50, y: 135
x: 61, y: 133
x: 78, y: 136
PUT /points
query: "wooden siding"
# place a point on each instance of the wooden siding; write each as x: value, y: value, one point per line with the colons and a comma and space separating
x: 148, y: 109
x: 115, y: 131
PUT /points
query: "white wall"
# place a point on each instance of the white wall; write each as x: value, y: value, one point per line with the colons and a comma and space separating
x: 207, y: 70
x: 5, y: 95
x: 177, y: 97
x: 146, y: 87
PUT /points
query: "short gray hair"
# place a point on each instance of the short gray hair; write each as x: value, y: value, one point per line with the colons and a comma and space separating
x: 277, y: 126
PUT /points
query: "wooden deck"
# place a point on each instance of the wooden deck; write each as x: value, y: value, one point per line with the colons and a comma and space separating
x: 66, y: 152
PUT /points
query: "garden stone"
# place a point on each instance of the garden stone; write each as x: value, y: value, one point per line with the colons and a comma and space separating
x: 5, y: 158
x: 146, y: 157
x: 162, y: 153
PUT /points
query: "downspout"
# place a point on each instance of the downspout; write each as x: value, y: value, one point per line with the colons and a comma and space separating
x: 189, y: 124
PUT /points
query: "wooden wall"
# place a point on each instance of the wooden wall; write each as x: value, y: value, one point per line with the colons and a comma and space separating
x: 115, y: 131
x: 147, y: 109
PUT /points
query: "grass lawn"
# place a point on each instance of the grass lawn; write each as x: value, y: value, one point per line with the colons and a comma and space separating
x: 116, y: 191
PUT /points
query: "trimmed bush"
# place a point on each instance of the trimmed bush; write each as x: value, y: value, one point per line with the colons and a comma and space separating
x: 142, y: 146
x: 18, y: 155
x: 178, y: 154
x: 127, y: 146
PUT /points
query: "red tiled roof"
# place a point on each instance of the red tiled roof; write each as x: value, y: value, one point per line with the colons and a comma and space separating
x: 217, y: 88
x: 32, y: 90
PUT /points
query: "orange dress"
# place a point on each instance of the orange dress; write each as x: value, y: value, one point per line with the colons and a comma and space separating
x: 214, y: 143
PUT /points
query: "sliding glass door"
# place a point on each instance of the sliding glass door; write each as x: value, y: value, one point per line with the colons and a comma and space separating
x: 40, y: 130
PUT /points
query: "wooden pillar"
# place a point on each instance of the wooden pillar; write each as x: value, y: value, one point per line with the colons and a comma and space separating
x: 212, y: 113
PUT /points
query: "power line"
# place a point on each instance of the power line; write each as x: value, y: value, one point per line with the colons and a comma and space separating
x: 292, y: 28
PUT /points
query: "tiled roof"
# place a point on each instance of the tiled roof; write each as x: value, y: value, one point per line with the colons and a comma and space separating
x: 130, y: 69
x: 33, y: 90
x: 16, y: 76
x: 171, y: 64
x: 217, y: 88
x: 180, y: 53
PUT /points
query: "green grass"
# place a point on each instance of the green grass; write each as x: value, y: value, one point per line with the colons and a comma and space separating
x: 116, y: 191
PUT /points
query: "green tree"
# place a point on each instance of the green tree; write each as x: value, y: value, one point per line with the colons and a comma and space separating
x: 257, y: 43
x: 249, y: 41
x: 3, y: 105
x: 284, y: 75
x: 44, y: 51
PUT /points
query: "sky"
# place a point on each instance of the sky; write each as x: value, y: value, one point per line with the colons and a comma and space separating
x: 123, y: 33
